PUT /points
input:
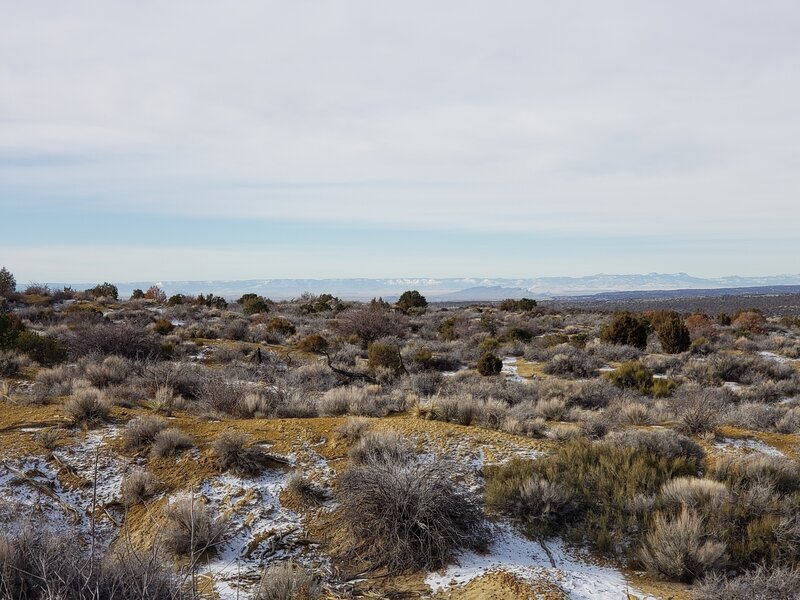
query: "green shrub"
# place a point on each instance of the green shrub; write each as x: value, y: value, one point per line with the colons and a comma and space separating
x: 632, y: 375
x: 423, y: 356
x: 104, y: 290
x: 10, y: 328
x: 45, y: 350
x: 163, y: 326
x: 663, y: 388
x: 672, y: 333
x: 447, y: 330
x: 489, y: 364
x: 522, y: 305
x: 517, y: 334
x: 281, y: 326
x: 8, y: 284
x: 599, y: 484
x: 411, y: 299
x: 385, y: 355
x: 626, y: 328
x: 516, y: 489
x: 176, y: 300
x: 253, y: 304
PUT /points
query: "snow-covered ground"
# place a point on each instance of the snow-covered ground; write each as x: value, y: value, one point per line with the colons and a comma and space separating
x: 261, y: 530
x: 746, y: 445
x: 510, y: 369
x: 775, y: 357
x: 514, y: 553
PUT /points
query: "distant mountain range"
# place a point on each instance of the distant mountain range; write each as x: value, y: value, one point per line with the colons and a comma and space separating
x: 459, y: 289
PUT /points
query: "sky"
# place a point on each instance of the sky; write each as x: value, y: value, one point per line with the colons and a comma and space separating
x: 198, y: 140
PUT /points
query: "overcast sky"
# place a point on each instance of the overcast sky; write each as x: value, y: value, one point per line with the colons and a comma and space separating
x: 208, y: 140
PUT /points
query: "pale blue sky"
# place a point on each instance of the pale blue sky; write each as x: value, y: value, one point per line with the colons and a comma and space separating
x: 192, y: 140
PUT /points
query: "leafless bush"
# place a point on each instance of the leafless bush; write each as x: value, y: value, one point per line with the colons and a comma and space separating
x: 182, y: 378
x: 232, y: 453
x: 125, y: 395
x: 535, y: 501
x: 141, y: 431
x: 405, y: 517
x: 297, y: 405
x: 305, y: 490
x: 694, y: 493
x: 287, y: 581
x: 662, y: 442
x: 87, y: 405
x: 564, y: 432
x: 614, y: 352
x: 223, y: 396
x: 595, y: 426
x: 52, y: 383
x: 353, y: 428
x: 779, y: 583
x: 634, y: 413
x: 664, y: 363
x: 676, y: 548
x: 777, y: 472
x: 11, y: 363
x: 39, y: 564
x: 315, y: 377
x: 761, y: 417
x: 371, y: 324
x: 352, y: 400
x: 137, y: 486
x: 552, y: 409
x: 48, y: 437
x: 697, y: 409
x: 697, y: 420
x: 120, y: 339
x: 789, y: 422
x: 568, y: 361
x: 191, y: 529
x: 113, y: 370
x: 596, y: 393
x: 169, y: 442
x: 379, y: 447
x: 426, y: 383
x: 529, y: 427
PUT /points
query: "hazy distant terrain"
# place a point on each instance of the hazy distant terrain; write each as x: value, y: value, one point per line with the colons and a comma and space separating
x: 454, y: 289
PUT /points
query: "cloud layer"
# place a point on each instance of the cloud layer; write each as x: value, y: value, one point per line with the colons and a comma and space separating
x: 573, y: 120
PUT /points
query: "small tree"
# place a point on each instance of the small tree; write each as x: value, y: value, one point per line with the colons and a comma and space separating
x: 489, y: 364
x: 673, y: 333
x: 626, y: 328
x: 8, y: 284
x: 522, y: 305
x: 104, y: 290
x: 411, y: 299
x: 10, y: 328
x: 176, y: 300
x: 137, y: 294
x: 253, y: 304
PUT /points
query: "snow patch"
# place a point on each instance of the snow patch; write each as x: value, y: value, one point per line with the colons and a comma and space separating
x: 747, y: 445
x: 529, y: 560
